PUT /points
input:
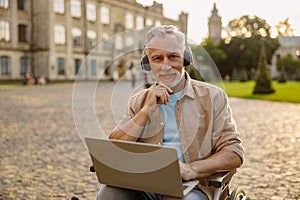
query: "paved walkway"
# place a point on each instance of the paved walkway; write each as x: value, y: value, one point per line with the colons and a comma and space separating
x: 42, y: 156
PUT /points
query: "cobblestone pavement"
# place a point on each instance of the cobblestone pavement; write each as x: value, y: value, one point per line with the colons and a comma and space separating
x: 42, y: 156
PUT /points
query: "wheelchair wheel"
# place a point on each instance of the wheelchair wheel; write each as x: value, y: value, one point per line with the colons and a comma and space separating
x: 238, y: 194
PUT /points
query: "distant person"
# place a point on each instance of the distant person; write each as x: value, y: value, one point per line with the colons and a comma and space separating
x: 42, y: 80
x: 192, y: 116
x: 133, y: 74
x: 30, y: 79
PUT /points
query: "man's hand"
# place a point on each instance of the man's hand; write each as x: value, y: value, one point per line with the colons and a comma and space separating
x: 187, y: 172
x: 157, y: 95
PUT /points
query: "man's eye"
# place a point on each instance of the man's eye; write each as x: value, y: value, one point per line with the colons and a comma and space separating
x: 173, y: 57
x: 156, y: 58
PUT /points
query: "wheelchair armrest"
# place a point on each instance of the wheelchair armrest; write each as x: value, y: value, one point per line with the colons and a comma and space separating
x: 220, y: 179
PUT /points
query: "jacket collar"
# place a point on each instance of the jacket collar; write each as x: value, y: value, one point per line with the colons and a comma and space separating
x: 188, y: 88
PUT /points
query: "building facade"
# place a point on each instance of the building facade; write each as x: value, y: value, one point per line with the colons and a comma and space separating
x: 288, y: 45
x: 65, y: 39
x: 215, y: 25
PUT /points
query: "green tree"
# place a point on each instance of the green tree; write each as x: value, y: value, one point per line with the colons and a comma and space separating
x: 284, y: 28
x: 205, y: 62
x: 213, y: 49
x: 194, y: 73
x: 242, y: 46
x: 283, y: 76
x: 247, y: 27
x: 216, y: 53
x: 288, y: 66
x: 263, y: 82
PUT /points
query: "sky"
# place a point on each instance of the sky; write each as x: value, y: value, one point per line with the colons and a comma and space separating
x: 273, y: 11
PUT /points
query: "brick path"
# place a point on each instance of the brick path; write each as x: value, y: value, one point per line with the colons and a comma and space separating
x: 42, y: 156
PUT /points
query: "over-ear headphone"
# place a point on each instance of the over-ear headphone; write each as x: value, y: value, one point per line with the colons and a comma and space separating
x: 187, y: 60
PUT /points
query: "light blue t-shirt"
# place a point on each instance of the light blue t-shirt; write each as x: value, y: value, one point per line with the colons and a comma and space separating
x: 171, y: 134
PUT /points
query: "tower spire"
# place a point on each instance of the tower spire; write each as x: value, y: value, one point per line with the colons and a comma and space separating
x: 215, y: 25
x: 214, y: 11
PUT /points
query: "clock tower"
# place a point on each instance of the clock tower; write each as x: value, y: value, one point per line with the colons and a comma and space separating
x: 215, y: 25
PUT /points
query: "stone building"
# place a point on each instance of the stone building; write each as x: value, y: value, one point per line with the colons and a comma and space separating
x: 288, y: 45
x: 64, y: 38
x: 215, y: 25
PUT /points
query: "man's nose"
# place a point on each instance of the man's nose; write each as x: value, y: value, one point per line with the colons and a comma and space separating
x: 166, y: 64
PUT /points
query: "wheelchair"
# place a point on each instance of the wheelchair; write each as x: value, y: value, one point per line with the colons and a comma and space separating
x: 221, y: 182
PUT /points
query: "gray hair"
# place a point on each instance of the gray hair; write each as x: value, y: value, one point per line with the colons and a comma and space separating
x: 163, y: 30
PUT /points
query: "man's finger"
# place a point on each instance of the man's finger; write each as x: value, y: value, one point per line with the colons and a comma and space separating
x: 169, y: 90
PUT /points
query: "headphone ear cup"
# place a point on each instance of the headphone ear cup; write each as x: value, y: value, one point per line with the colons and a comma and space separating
x: 145, y: 63
x: 187, y: 58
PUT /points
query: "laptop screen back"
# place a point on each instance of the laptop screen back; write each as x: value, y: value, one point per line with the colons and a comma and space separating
x: 137, y: 166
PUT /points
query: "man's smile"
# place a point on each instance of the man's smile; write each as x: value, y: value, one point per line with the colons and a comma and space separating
x: 167, y: 77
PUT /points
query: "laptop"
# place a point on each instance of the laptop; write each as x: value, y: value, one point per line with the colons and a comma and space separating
x: 138, y: 166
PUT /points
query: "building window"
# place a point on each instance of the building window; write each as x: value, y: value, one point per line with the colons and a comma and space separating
x: 59, y: 34
x: 91, y: 12
x: 157, y: 23
x: 75, y: 8
x: 60, y: 66
x: 22, y: 5
x: 118, y: 42
x: 129, y: 41
x: 93, y: 67
x: 278, y: 56
x: 149, y: 22
x: 77, y: 66
x: 5, y: 65
x: 92, y: 36
x: 105, y: 40
x: 4, y: 4
x: 24, y: 65
x: 105, y: 36
x: 76, y: 35
x: 104, y: 15
x: 4, y: 31
x: 129, y: 24
x: 139, y: 22
x: 59, y: 6
x: 23, y: 33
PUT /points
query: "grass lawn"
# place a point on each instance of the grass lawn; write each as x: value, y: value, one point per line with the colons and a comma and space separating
x: 288, y: 92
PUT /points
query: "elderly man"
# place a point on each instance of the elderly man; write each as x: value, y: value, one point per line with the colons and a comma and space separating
x: 190, y: 115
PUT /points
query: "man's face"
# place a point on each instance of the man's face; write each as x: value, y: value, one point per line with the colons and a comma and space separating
x: 166, y: 59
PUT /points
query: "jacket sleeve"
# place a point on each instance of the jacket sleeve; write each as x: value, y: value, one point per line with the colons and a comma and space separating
x: 225, y: 134
x: 126, y: 124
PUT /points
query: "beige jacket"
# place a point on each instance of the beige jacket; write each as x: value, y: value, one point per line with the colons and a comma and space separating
x: 204, y: 119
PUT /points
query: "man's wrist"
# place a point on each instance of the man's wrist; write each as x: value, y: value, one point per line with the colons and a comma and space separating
x: 132, y: 129
x: 146, y: 109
